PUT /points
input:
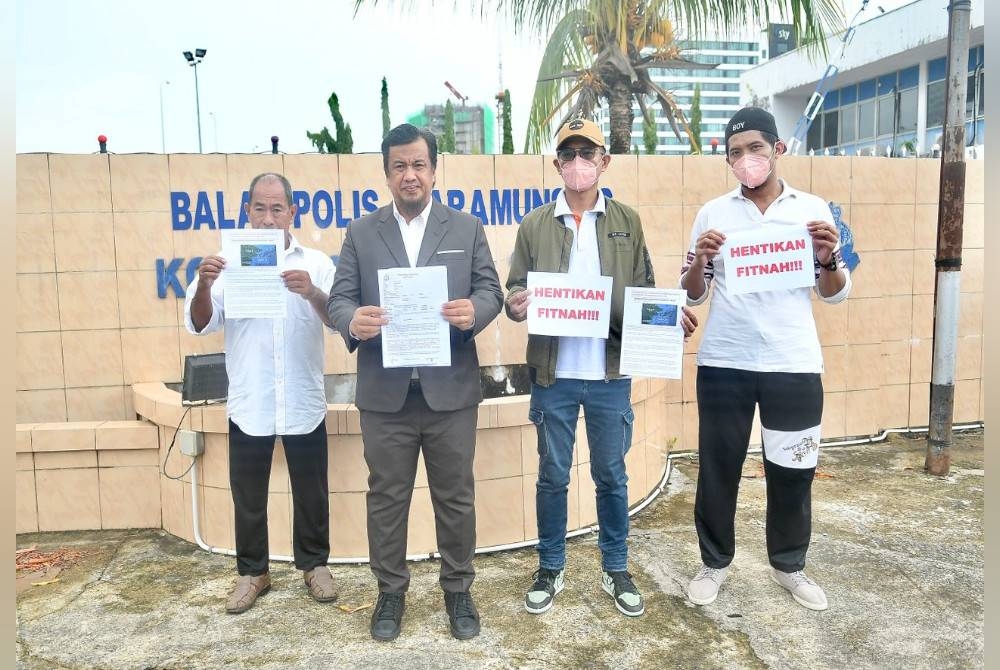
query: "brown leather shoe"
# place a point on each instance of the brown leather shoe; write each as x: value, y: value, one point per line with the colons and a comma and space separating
x: 320, y: 583
x: 248, y: 588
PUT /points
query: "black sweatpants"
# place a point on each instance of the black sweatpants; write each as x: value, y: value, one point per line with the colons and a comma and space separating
x: 791, y: 407
x: 249, y: 472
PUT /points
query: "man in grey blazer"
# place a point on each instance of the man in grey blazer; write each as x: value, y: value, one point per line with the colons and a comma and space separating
x: 406, y: 411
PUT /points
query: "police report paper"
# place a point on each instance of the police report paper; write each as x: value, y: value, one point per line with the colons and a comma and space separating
x: 252, y: 287
x: 417, y: 334
x: 652, y: 335
x: 569, y: 305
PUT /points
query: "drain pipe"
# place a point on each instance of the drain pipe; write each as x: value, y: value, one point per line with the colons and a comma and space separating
x: 690, y: 454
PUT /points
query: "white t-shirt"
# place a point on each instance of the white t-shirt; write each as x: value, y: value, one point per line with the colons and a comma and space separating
x: 582, y: 357
x: 275, y: 366
x: 769, y: 331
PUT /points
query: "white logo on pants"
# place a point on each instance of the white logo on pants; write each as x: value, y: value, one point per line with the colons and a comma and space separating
x: 792, y: 449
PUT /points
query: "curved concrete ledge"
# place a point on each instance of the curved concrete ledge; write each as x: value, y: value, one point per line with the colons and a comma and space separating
x: 506, y: 468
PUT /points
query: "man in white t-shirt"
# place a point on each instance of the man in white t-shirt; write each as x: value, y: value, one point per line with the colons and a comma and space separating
x: 759, y: 350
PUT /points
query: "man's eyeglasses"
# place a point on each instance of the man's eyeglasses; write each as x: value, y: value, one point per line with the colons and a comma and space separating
x: 586, y: 153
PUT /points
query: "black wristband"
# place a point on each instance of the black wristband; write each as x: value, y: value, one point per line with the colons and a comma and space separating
x: 832, y: 265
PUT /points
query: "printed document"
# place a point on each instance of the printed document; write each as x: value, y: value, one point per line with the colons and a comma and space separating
x: 417, y: 334
x: 253, y: 288
x: 652, y: 335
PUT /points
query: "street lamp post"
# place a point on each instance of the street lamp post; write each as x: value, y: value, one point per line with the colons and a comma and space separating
x: 193, y: 60
x: 163, y: 134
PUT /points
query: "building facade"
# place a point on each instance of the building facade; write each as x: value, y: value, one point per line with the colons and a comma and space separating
x: 888, y: 94
x: 474, y: 126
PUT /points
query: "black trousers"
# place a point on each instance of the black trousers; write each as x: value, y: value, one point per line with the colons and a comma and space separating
x: 249, y: 472
x: 791, y: 407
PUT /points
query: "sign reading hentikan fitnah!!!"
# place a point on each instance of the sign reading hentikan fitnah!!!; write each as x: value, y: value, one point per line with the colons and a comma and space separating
x: 778, y: 256
x: 322, y: 209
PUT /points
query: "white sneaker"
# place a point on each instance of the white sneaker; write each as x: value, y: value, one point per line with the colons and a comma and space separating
x: 704, y: 587
x: 805, y: 591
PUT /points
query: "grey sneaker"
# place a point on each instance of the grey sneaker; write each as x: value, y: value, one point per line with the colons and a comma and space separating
x: 619, y: 586
x: 704, y: 587
x: 805, y: 591
x: 547, y: 584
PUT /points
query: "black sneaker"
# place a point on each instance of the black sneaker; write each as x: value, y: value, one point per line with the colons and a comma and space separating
x: 462, y: 614
x: 547, y: 584
x: 619, y: 586
x: 388, y: 616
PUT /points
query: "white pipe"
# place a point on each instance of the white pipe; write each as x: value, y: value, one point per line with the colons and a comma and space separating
x: 645, y: 502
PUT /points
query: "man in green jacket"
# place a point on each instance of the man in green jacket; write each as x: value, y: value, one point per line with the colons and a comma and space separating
x: 581, y: 232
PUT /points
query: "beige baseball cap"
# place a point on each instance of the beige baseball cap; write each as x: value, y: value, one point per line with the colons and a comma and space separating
x: 588, y: 130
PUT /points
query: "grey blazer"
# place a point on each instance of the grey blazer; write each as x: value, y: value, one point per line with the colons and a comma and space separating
x: 374, y: 242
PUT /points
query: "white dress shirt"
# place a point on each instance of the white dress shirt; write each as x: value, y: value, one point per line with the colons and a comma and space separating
x: 582, y: 357
x: 412, y: 231
x: 768, y: 331
x: 275, y: 366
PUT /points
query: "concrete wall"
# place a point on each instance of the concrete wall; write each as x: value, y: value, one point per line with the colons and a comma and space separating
x: 89, y: 228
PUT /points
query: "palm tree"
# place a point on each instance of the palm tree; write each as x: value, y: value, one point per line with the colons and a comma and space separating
x: 601, y: 51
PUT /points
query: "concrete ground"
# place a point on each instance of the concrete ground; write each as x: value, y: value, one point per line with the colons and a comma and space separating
x: 899, y: 552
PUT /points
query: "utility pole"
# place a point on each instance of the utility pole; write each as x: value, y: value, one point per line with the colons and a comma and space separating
x: 948, y: 259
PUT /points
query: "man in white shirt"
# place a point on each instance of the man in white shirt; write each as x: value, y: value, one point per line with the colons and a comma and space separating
x: 581, y: 233
x: 759, y: 349
x: 275, y: 369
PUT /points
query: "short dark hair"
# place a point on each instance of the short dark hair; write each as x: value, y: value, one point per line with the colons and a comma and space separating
x: 268, y: 176
x: 407, y: 133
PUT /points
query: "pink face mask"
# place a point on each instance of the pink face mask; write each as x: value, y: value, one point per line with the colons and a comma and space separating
x: 579, y: 175
x: 752, y: 170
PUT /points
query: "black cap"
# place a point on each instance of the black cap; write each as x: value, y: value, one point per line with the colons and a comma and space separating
x: 751, y: 118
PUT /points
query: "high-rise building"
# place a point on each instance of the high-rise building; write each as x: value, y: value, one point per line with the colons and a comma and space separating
x: 720, y: 92
x: 474, y: 126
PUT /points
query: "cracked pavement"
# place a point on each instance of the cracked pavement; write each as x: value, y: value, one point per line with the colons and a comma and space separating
x: 899, y: 553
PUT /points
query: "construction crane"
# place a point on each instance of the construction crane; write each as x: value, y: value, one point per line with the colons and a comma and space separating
x: 816, y: 101
x: 463, y: 98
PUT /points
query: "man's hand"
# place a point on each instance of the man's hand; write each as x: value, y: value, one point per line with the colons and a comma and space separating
x: 209, y: 269
x: 298, y: 281
x: 460, y: 313
x: 518, y: 304
x: 367, y: 322
x: 688, y: 322
x: 707, y: 246
x: 825, y: 237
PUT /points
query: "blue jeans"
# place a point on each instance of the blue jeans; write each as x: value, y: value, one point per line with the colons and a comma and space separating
x: 608, y: 415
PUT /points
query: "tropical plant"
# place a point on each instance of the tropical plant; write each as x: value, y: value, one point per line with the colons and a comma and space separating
x: 343, y: 141
x: 601, y: 51
x: 385, y: 108
x: 508, y: 131
x: 649, y: 136
x: 695, y: 124
x: 447, y: 141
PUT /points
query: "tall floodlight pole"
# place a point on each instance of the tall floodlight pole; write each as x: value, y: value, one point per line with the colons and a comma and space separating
x: 163, y: 133
x: 193, y: 60
x: 948, y: 259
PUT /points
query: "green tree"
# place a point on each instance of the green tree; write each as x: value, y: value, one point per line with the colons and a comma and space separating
x: 601, y: 51
x: 696, y: 120
x: 649, y: 137
x: 508, y: 132
x: 385, y: 108
x: 448, y: 136
x: 343, y: 141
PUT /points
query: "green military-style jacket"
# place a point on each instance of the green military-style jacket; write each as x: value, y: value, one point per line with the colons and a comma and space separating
x: 544, y: 244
